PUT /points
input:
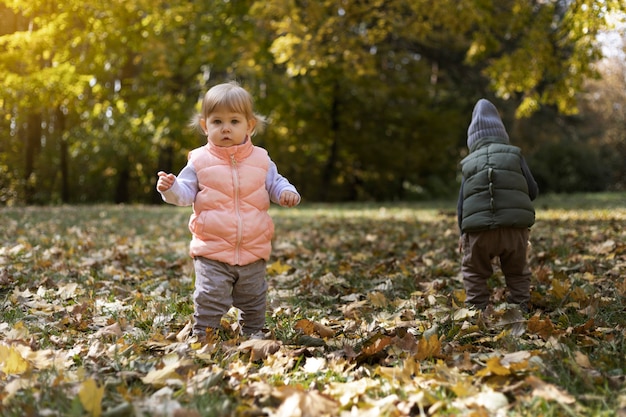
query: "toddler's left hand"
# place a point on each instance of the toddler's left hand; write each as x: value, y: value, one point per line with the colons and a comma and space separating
x: 288, y: 199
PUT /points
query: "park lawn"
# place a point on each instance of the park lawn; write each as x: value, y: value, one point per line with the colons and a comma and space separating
x: 365, y: 310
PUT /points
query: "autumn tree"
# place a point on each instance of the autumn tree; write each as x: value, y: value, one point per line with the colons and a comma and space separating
x: 367, y: 100
x: 391, y: 83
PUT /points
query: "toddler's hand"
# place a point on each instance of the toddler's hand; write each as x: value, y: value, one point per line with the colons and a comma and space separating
x: 165, y: 181
x: 288, y: 199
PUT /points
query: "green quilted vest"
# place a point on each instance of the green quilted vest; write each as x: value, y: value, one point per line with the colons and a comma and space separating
x: 495, y: 193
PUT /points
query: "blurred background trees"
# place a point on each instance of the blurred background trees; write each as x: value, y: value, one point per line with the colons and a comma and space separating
x: 368, y: 100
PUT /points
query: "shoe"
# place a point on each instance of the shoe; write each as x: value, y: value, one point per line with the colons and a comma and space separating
x: 198, y: 336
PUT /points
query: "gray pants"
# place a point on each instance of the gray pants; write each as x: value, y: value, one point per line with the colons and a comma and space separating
x: 480, y: 248
x: 220, y: 286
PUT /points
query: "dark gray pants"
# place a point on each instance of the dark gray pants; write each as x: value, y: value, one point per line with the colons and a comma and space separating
x: 480, y: 248
x: 220, y: 286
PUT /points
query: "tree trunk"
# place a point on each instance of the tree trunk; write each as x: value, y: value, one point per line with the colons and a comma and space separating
x: 122, y: 194
x: 329, y: 168
x: 63, y: 157
x: 32, y: 141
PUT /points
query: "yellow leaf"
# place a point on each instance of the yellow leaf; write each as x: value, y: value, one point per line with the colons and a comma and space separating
x: 399, y: 374
x: 428, y: 347
x: 494, y: 367
x: 463, y: 388
x: 12, y: 362
x: 560, y: 286
x: 278, y: 268
x: 90, y: 395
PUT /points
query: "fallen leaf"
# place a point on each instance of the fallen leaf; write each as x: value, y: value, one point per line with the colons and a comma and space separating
x: 378, y: 299
x: 490, y: 400
x: 582, y: 360
x: 428, y: 347
x: 90, y: 395
x: 278, y: 268
x: 314, y: 365
x: 548, y: 391
x: 12, y: 361
x: 171, y: 371
x: 494, y: 367
x: 299, y: 403
x: 260, y: 349
x: 543, y: 328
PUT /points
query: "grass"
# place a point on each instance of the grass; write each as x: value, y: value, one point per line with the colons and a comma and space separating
x: 382, y: 276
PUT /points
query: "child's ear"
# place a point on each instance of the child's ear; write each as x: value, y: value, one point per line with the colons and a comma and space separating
x: 251, y: 125
x: 203, y: 125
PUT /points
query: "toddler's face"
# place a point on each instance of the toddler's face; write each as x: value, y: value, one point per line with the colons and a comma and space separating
x: 226, y: 128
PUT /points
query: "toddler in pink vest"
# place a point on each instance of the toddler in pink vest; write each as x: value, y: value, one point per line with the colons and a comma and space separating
x: 230, y: 183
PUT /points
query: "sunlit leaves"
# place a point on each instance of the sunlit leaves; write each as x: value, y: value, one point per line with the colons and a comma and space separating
x: 365, y: 317
x: 12, y: 361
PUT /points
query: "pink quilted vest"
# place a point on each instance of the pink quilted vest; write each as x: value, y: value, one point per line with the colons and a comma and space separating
x: 230, y: 221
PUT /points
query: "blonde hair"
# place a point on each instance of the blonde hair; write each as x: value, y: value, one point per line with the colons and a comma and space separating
x: 234, y: 98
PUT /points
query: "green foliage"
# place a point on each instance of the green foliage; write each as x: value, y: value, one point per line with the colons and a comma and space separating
x: 367, y: 100
x: 570, y: 167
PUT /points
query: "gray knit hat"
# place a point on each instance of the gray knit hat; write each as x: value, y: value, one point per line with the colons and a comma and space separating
x: 486, y: 122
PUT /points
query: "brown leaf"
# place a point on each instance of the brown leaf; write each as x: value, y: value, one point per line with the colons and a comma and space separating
x: 309, y: 328
x: 543, y: 328
x: 378, y: 299
x: 260, y: 349
x: 375, y: 344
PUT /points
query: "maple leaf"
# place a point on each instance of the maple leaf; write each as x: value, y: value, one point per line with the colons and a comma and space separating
x: 428, y: 347
x: 544, y: 328
x: 494, y: 367
x: 560, y: 286
x: 278, y: 268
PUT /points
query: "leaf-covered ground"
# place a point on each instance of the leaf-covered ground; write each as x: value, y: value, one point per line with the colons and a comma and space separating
x: 365, y: 315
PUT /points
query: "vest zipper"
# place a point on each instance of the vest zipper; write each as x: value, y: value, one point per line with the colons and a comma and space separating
x: 237, y: 208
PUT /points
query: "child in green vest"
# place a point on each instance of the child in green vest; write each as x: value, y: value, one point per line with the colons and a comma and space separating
x: 495, y: 210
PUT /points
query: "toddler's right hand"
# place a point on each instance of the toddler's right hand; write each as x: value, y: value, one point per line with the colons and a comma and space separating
x: 165, y: 181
